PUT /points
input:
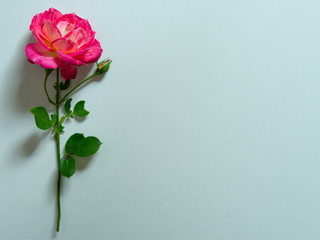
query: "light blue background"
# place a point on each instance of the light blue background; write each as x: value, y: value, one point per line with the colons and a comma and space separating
x: 210, y: 119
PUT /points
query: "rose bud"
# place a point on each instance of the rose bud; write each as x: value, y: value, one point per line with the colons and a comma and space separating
x: 103, y: 67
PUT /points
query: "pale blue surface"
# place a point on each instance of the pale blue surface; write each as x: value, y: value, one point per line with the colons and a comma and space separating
x: 209, y: 117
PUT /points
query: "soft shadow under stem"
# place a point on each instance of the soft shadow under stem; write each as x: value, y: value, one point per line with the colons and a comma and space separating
x: 57, y: 138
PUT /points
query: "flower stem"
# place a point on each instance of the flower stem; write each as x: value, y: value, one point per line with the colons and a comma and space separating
x: 85, y: 80
x: 57, y: 138
x: 45, y: 87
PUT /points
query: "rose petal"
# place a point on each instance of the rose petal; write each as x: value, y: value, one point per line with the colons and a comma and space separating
x: 39, y: 19
x: 84, y: 24
x: 50, y: 31
x: 89, y: 41
x: 93, y: 54
x: 66, y: 23
x: 37, y: 23
x: 68, y: 71
x: 64, y: 45
x: 39, y: 55
x: 45, y: 43
x: 52, y: 14
x: 78, y: 36
x: 79, y: 52
x: 69, y: 59
x: 37, y: 32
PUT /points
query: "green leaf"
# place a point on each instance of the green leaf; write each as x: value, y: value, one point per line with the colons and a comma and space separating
x: 41, y: 117
x: 67, y: 106
x: 79, y: 109
x: 87, y: 147
x: 80, y: 146
x: 73, y: 143
x: 67, y: 166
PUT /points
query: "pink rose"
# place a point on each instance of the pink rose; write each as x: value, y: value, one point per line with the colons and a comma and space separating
x: 64, y: 40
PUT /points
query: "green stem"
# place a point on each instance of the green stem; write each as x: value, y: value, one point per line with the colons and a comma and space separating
x: 45, y: 87
x: 57, y: 137
x: 85, y: 80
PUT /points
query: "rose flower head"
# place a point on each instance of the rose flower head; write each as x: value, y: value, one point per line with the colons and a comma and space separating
x: 64, y: 40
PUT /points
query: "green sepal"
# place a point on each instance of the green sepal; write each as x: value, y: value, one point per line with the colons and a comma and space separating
x: 67, y: 166
x: 54, y: 119
x: 63, y: 85
x: 41, y: 118
x: 48, y: 71
x: 79, y: 109
x: 61, y: 128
